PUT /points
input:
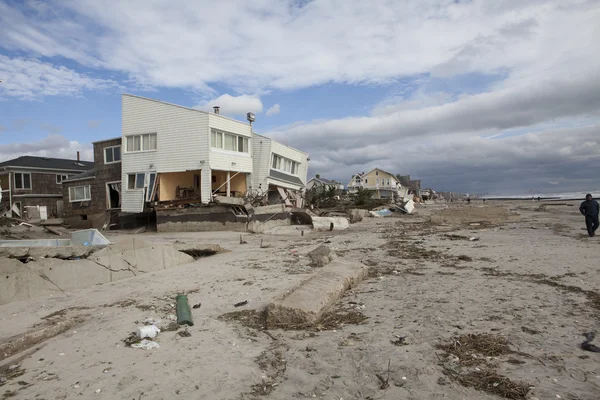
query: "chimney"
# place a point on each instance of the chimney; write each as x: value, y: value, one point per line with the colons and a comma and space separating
x: 216, y: 108
x: 318, y: 176
x: 77, y: 156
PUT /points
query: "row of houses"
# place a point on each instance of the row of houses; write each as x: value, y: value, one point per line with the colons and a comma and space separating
x: 168, y: 155
x: 383, y: 184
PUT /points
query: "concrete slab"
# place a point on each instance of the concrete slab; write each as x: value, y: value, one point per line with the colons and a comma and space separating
x: 305, y: 304
x: 324, y: 223
x: 321, y: 256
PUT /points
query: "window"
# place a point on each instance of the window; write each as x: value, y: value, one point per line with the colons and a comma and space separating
x: 388, y: 181
x: 229, y: 141
x: 60, y: 178
x: 376, y: 172
x: 366, y: 180
x: 377, y: 181
x: 79, y: 193
x: 22, y: 181
x: 145, y: 142
x: 285, y: 165
x: 151, y: 184
x: 135, y: 181
x: 112, y: 154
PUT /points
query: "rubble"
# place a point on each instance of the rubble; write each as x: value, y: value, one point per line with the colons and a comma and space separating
x: 321, y: 256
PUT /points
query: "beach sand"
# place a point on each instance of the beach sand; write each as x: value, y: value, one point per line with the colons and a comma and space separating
x: 440, y: 316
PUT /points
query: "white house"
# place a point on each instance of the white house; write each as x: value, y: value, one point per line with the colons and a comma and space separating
x: 174, y: 154
x: 279, y: 170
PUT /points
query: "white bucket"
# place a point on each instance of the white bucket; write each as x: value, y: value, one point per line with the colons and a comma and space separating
x: 147, y: 332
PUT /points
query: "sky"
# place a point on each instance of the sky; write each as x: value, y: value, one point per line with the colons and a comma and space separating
x: 470, y: 96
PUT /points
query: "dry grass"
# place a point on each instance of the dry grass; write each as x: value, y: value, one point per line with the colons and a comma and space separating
x: 489, y: 381
x: 471, y: 349
x: 476, y: 349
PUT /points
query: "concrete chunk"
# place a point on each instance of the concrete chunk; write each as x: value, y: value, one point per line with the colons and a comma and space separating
x: 324, y: 223
x: 305, y: 304
x: 321, y: 256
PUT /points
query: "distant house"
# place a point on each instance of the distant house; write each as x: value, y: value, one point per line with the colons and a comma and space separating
x: 385, y: 185
x: 322, y: 182
x: 36, y: 181
x: 90, y: 197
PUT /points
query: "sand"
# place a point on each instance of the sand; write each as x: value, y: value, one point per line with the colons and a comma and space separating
x: 440, y: 317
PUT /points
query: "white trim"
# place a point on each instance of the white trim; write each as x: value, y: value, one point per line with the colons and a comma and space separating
x: 72, y: 189
x: 141, y: 143
x: 273, y: 155
x: 236, y: 135
x: 113, y: 147
x: 61, y: 179
x: 23, y: 181
x: 135, y: 180
x: 230, y: 152
x: 106, y: 185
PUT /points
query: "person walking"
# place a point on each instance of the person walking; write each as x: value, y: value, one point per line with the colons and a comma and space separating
x: 590, y: 209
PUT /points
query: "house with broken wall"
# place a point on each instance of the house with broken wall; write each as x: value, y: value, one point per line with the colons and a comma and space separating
x: 32, y: 186
x: 327, y: 184
x: 384, y: 185
x: 177, y: 160
x: 92, y: 199
x: 279, y: 171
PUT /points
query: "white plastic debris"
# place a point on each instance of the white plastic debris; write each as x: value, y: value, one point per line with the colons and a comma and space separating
x: 98, y: 390
x: 146, y: 345
x: 149, y: 331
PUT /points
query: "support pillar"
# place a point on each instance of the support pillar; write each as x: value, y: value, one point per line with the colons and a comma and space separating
x: 228, y: 183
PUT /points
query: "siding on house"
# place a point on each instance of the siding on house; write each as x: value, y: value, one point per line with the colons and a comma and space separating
x: 261, y: 159
x: 221, y: 159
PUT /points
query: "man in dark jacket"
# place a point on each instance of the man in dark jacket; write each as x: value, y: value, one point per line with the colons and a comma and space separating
x: 590, y: 209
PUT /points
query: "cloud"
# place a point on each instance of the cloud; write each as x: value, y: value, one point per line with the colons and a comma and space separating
x: 54, y: 146
x: 253, y: 46
x: 93, y: 124
x: 233, y: 105
x: 30, y: 79
x: 19, y: 124
x: 273, y: 110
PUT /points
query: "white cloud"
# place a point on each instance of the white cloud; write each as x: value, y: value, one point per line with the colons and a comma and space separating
x: 287, y: 44
x: 233, y: 105
x: 54, y: 146
x: 29, y: 79
x: 273, y: 110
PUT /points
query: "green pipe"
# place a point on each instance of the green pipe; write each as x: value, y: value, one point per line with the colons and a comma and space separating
x: 184, y: 314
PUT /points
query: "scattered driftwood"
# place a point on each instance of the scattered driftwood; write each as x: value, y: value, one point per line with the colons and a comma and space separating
x: 52, y: 230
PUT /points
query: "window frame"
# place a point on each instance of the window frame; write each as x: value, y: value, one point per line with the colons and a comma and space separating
x: 285, y: 165
x: 140, y: 141
x: 112, y: 148
x: 218, y: 142
x: 89, y: 193
x: 135, y: 180
x: 63, y: 177
x: 22, y: 180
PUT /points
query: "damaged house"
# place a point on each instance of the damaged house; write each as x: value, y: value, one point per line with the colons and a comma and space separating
x: 177, y: 160
x: 92, y: 199
x: 32, y: 186
x: 383, y: 184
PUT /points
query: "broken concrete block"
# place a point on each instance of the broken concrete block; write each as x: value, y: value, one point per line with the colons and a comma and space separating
x: 357, y: 215
x: 321, y: 256
x: 305, y: 304
x: 324, y: 223
x: 229, y: 201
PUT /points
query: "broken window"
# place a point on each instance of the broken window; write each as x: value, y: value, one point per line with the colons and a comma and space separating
x: 80, y: 193
x: 135, y: 181
x: 22, y: 180
x: 60, y: 178
x: 151, y: 184
x: 285, y: 165
x: 112, y: 154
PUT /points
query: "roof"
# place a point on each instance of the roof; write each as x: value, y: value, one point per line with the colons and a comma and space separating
x: 286, y: 178
x: 84, y: 175
x: 283, y: 144
x: 108, y: 140
x: 59, y: 164
x: 325, y: 181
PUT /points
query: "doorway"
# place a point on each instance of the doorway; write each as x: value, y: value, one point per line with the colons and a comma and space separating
x: 113, y: 195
